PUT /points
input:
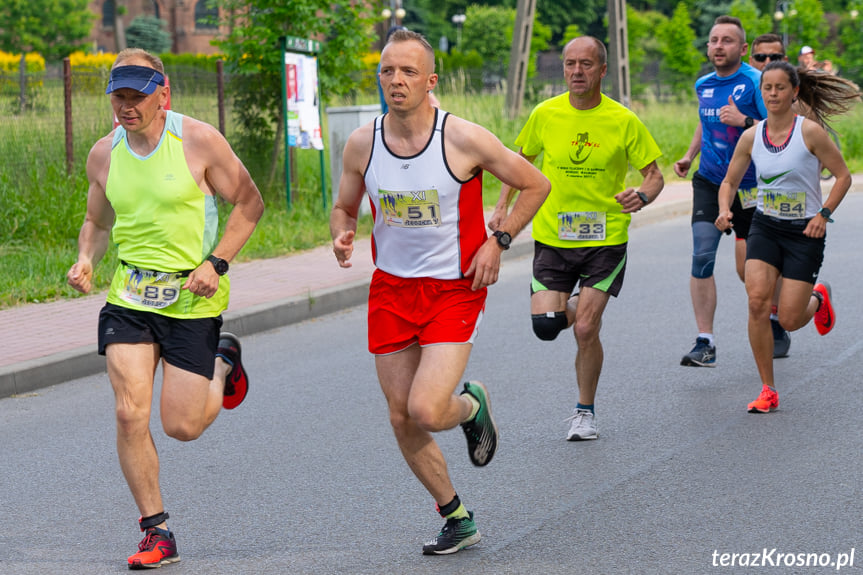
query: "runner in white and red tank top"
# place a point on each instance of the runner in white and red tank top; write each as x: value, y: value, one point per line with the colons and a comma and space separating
x: 422, y: 169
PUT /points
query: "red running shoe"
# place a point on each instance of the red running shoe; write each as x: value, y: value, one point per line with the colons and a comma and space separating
x: 766, y: 402
x: 158, y: 548
x: 236, y: 383
x: 824, y: 318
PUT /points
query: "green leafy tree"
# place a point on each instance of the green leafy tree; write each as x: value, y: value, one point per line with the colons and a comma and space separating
x: 681, y: 60
x: 806, y: 27
x: 53, y: 28
x: 346, y: 29
x: 754, y: 22
x: 643, y: 44
x: 488, y: 31
x: 149, y: 33
x: 851, y: 37
x: 572, y: 31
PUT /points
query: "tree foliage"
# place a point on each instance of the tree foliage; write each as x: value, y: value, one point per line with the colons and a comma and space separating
x: 488, y: 31
x: 149, y: 33
x: 680, y: 58
x: 253, y: 53
x: 53, y: 28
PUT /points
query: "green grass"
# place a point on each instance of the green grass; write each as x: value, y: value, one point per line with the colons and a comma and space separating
x: 42, y: 208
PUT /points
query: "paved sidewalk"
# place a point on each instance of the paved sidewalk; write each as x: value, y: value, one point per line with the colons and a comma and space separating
x: 49, y: 343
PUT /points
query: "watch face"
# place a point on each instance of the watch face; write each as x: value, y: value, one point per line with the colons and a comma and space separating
x: 503, y: 238
x: 220, y: 265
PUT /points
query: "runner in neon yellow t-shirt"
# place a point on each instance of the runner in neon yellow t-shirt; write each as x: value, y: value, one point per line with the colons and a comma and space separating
x: 587, y: 142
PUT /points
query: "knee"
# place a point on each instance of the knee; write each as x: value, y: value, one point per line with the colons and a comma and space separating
x: 759, y: 307
x: 702, y: 264
x: 586, y: 332
x: 132, y: 420
x: 183, y: 430
x: 425, y: 417
x: 547, y: 326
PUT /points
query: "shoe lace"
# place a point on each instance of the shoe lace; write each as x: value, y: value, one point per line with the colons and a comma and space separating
x: 149, y: 541
x: 577, y: 416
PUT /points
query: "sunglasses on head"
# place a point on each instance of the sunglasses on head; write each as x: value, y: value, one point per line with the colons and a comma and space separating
x: 771, y: 57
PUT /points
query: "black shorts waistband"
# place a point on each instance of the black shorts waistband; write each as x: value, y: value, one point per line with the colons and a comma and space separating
x: 798, y: 222
x: 182, y: 274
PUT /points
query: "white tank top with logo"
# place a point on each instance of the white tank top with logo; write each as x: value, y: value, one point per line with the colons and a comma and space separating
x: 427, y: 222
x: 789, y: 175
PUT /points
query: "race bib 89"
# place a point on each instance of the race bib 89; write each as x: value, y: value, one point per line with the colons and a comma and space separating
x: 150, y: 288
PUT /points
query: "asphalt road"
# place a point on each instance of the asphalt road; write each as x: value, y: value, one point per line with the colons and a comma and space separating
x: 305, y: 477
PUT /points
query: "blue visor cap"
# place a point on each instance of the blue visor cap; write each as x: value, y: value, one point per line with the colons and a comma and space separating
x: 138, y: 78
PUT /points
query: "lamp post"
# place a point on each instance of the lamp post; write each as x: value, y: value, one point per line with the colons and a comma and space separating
x: 458, y: 20
x: 782, y: 10
x: 394, y: 13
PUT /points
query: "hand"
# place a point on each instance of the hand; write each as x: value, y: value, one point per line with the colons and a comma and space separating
x: 343, y: 247
x: 723, y: 222
x: 681, y: 167
x: 485, y: 266
x: 497, y: 217
x: 731, y: 116
x: 80, y: 276
x: 816, y: 228
x: 629, y: 200
x: 203, y: 281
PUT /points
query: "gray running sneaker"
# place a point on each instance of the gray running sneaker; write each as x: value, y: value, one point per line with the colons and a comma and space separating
x: 481, y: 431
x: 583, y: 425
x: 781, y: 339
x: 702, y: 355
x: 456, y: 534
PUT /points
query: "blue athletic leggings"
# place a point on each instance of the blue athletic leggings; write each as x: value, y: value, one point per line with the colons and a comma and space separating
x: 705, y: 241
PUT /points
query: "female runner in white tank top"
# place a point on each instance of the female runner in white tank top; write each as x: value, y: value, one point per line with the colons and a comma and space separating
x: 787, y: 235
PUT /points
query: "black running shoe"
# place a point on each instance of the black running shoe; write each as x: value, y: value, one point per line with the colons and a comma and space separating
x: 481, y: 431
x: 456, y: 534
x: 702, y: 355
x: 158, y: 548
x: 781, y: 339
x: 236, y: 383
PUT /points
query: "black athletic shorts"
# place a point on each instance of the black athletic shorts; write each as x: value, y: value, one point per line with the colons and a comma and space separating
x: 705, y: 206
x: 188, y: 344
x: 781, y: 244
x: 561, y: 269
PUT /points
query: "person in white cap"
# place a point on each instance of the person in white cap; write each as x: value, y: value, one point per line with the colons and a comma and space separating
x: 806, y: 58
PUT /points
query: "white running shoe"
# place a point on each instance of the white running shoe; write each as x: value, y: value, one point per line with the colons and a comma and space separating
x: 583, y: 425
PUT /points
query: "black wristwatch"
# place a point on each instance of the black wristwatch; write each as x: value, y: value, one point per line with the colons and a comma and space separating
x: 220, y: 265
x: 825, y: 213
x: 643, y: 197
x: 748, y: 122
x: 503, y: 239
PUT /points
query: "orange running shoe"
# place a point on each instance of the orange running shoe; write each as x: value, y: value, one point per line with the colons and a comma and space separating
x: 824, y: 316
x: 766, y: 402
x: 158, y: 548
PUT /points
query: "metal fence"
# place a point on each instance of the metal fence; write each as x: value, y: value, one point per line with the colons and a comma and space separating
x: 37, y: 118
x: 50, y: 118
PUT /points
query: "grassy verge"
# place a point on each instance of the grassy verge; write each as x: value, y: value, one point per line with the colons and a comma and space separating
x: 42, y: 208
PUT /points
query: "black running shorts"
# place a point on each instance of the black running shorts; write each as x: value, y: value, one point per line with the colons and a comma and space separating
x: 705, y: 206
x: 189, y: 344
x: 781, y: 244
x: 561, y: 269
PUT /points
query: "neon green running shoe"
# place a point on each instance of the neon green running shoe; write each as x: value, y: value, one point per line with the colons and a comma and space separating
x: 456, y: 534
x: 481, y: 431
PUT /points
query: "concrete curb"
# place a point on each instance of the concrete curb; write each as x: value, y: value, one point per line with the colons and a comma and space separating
x: 28, y: 376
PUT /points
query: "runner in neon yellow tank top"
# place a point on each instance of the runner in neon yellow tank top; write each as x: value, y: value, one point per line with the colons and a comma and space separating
x: 154, y: 181
x: 587, y: 142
